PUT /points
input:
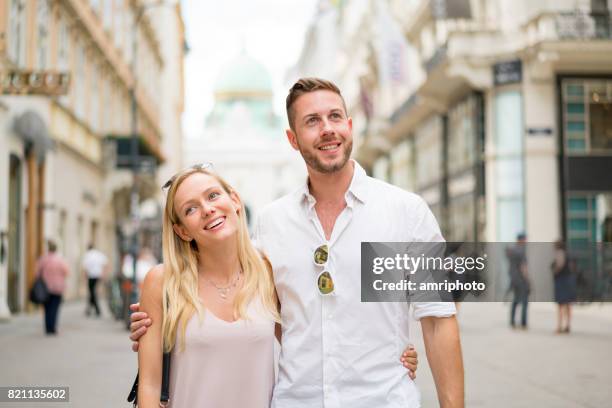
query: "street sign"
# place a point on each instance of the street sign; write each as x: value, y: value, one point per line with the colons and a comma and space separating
x: 539, y: 131
x: 509, y: 72
x: 29, y: 82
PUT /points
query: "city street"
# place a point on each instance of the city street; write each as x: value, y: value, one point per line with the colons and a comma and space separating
x: 504, y: 368
x: 91, y: 356
x: 534, y: 368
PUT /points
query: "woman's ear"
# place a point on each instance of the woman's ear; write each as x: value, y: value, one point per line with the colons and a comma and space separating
x: 181, y: 232
x: 236, y: 200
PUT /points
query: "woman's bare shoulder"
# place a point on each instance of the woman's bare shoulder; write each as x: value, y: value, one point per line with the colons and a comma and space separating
x: 154, y: 281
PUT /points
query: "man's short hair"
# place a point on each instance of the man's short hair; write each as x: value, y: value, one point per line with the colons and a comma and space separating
x: 51, y: 246
x: 304, y: 86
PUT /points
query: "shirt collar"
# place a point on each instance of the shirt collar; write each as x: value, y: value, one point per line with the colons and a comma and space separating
x: 359, y: 183
x: 357, y: 188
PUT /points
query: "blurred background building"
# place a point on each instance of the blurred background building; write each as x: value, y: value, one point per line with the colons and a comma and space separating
x: 245, y: 139
x: 498, y: 113
x: 64, y: 147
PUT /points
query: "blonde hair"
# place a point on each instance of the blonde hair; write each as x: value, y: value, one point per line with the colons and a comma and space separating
x: 180, y: 288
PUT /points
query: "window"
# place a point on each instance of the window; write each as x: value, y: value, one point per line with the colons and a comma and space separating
x: 17, y: 32
x: 107, y: 16
x: 106, y: 104
x: 95, y: 5
x: 401, y: 165
x: 587, y: 119
x: 94, y: 113
x: 118, y: 24
x: 462, y: 136
x: 428, y: 144
x: 461, y: 218
x: 380, y: 170
x: 79, y: 81
x: 42, y: 42
x: 62, y: 45
x: 509, y: 165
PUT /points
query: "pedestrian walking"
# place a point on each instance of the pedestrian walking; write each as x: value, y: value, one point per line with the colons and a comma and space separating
x: 95, y: 265
x: 53, y: 270
x: 565, y: 286
x: 519, y: 279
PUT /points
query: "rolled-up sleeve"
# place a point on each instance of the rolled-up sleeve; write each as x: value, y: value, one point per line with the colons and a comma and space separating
x: 433, y: 309
x: 428, y: 230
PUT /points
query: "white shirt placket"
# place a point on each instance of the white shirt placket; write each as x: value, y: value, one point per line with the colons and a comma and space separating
x: 329, y: 334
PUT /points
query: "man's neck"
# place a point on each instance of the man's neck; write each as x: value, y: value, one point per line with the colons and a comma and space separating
x: 331, y: 187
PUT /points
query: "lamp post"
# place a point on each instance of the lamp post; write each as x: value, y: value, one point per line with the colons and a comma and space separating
x: 134, y: 153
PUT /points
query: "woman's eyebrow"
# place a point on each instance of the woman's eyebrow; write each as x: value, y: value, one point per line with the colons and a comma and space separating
x: 192, y: 200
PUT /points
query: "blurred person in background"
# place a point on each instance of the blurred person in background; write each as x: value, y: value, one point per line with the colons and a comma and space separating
x: 519, y: 279
x: 565, y: 286
x: 145, y: 262
x: 95, y: 264
x: 53, y: 269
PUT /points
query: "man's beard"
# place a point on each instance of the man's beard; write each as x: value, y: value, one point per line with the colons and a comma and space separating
x: 313, y: 161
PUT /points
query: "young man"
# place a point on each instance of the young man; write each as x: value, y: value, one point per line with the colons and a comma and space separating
x: 338, y: 351
x: 95, y: 264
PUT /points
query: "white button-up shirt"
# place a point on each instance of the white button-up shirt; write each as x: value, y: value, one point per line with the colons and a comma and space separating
x: 337, y: 351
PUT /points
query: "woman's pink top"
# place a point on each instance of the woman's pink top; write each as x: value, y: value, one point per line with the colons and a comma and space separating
x: 224, y: 364
x: 54, y: 271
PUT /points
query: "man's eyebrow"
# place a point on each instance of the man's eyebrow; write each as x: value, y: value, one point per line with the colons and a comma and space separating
x: 310, y: 115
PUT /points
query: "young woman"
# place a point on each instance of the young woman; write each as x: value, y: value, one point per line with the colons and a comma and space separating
x: 565, y: 286
x: 212, y: 303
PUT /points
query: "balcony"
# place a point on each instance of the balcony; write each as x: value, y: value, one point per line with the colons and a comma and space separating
x: 569, y: 25
x: 581, y: 25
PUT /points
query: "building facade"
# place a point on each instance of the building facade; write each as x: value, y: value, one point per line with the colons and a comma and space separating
x: 63, y: 167
x: 497, y: 113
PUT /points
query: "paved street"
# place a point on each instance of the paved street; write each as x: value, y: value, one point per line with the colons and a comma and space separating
x: 534, y: 368
x: 504, y: 368
x: 91, y: 356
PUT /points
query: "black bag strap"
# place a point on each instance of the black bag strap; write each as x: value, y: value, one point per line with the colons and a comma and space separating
x: 165, y: 388
x: 133, y: 395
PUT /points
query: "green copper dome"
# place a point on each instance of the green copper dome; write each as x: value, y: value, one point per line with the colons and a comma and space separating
x: 244, y: 90
x: 244, y: 75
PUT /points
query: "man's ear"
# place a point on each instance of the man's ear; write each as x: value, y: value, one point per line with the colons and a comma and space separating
x: 350, y: 123
x: 181, y: 232
x: 292, y: 138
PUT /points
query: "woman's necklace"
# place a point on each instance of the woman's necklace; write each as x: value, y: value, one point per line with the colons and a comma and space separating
x: 224, y: 291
